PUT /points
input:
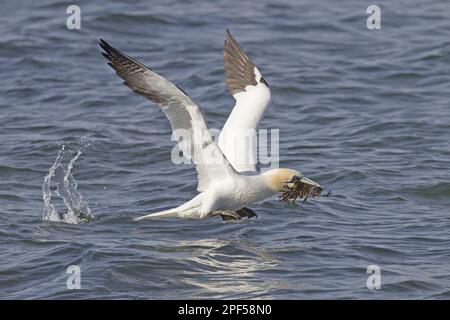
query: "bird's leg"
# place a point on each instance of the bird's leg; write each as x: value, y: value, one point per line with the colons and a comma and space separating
x: 238, y: 215
x: 229, y: 215
x: 246, y: 212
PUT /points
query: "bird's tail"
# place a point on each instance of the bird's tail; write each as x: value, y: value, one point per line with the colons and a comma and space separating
x: 187, y: 209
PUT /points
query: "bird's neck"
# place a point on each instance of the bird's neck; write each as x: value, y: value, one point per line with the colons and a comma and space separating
x: 260, y: 187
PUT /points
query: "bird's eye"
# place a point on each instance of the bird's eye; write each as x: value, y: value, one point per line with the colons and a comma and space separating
x: 294, y: 179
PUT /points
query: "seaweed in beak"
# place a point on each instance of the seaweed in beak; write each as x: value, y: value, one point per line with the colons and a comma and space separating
x: 300, y: 188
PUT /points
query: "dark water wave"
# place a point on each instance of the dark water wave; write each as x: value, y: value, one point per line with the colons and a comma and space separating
x: 365, y: 113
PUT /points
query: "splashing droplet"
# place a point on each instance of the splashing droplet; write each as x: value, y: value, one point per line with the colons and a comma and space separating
x: 78, y: 210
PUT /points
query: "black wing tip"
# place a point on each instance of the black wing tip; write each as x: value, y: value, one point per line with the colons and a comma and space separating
x: 109, y: 49
x: 103, y: 44
x: 229, y: 35
x: 106, y: 48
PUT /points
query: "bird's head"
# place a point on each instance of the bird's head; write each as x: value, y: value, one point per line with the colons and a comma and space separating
x: 291, y: 183
x: 280, y: 179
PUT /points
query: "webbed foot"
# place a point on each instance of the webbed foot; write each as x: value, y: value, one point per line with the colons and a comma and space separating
x: 238, y: 215
x: 246, y: 212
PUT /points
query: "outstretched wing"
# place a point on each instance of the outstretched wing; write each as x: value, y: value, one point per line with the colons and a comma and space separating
x: 252, y: 94
x: 185, y: 116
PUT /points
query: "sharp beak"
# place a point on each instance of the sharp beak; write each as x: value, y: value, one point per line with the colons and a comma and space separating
x: 310, y: 182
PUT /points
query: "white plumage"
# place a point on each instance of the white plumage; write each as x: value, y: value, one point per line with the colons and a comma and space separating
x: 224, y: 189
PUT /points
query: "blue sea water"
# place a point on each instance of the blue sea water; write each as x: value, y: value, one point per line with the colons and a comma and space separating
x: 365, y: 113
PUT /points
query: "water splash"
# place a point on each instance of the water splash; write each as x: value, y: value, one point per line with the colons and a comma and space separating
x: 61, y: 177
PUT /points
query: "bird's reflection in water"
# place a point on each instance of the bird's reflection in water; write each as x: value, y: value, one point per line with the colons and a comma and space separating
x: 230, y: 269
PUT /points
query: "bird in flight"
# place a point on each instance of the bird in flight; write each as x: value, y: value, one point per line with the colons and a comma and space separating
x: 226, y: 184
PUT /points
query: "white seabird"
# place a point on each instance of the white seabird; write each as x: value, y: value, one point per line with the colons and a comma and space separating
x: 224, y: 188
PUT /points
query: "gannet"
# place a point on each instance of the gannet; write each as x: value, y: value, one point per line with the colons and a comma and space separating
x: 226, y: 187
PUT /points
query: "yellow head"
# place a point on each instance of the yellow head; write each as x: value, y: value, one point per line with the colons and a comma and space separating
x: 278, y: 179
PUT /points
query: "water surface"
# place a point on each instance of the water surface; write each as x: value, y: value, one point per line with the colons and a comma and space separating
x: 365, y: 113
